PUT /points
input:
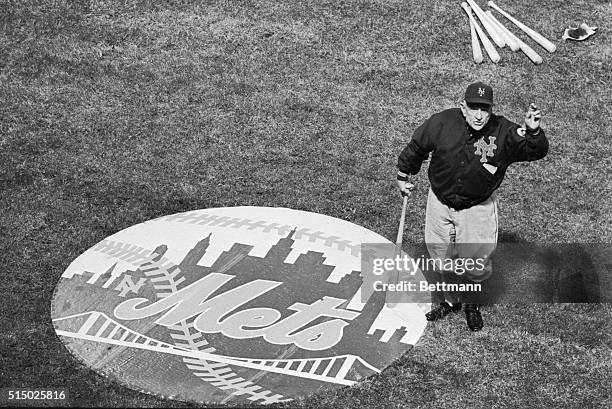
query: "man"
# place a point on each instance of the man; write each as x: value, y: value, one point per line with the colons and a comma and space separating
x: 471, y: 149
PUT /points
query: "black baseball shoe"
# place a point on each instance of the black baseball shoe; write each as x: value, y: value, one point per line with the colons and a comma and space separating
x: 473, y: 317
x: 442, y: 311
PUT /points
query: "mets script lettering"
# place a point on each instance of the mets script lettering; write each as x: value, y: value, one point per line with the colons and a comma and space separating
x: 213, y: 315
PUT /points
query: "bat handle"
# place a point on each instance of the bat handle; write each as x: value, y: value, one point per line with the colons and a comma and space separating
x: 400, y: 230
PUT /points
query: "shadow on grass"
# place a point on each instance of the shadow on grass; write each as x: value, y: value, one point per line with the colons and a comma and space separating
x: 553, y: 273
x: 526, y: 272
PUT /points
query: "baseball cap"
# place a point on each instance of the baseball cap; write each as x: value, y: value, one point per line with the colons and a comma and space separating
x: 479, y: 93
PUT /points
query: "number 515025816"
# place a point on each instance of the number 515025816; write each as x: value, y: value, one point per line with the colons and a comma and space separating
x: 8, y: 395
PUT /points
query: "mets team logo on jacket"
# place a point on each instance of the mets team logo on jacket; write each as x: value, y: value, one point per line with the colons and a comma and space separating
x: 484, y: 149
x: 231, y: 305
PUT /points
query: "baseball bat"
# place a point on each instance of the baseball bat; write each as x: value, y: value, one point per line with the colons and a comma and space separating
x: 489, y: 47
x: 476, y: 50
x: 519, y: 44
x: 509, y: 38
x: 531, y: 53
x: 394, y: 278
x: 400, y: 229
x: 537, y: 37
x: 488, y: 26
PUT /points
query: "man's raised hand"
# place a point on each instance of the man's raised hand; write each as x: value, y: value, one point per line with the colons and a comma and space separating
x: 532, y: 118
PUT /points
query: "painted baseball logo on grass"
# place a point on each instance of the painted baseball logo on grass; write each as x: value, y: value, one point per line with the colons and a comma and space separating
x: 232, y: 304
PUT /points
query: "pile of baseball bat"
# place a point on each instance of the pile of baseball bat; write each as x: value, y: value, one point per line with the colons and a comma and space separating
x: 500, y: 35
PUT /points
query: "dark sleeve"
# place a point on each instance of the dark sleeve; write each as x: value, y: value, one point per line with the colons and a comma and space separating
x: 417, y: 150
x: 525, y: 145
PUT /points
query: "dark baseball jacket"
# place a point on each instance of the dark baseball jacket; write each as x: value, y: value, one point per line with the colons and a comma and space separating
x: 467, y: 166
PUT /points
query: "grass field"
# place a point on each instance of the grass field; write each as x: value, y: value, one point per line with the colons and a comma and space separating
x: 116, y: 112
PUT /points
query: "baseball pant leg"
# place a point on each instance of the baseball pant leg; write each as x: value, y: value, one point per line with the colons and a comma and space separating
x: 476, y: 239
x: 439, y: 237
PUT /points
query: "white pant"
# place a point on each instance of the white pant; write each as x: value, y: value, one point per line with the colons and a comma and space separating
x: 468, y: 234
